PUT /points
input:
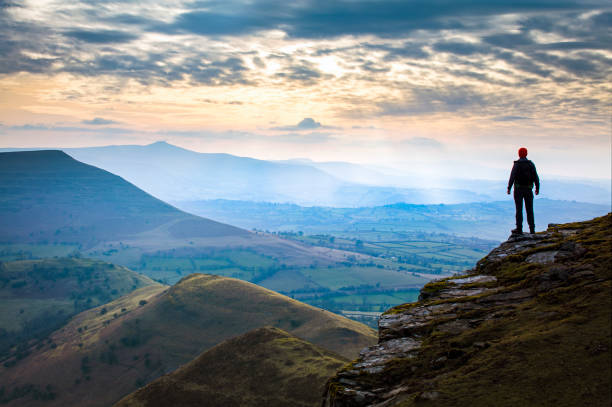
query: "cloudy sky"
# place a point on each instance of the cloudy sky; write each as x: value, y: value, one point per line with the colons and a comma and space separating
x: 449, y: 86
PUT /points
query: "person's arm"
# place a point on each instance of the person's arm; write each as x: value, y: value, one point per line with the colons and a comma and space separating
x: 536, y: 179
x: 511, y: 180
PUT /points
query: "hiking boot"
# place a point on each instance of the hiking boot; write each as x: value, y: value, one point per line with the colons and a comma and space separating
x: 517, y: 231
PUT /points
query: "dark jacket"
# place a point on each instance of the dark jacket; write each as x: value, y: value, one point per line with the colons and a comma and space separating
x: 527, y: 167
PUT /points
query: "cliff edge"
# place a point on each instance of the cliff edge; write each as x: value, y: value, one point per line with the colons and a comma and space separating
x: 529, y: 325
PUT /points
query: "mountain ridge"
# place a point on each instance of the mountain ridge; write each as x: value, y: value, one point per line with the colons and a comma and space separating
x: 108, y: 352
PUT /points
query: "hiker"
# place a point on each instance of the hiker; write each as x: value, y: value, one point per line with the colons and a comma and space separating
x: 523, y: 176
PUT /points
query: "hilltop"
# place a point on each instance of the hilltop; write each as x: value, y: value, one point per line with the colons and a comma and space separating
x: 264, y: 367
x: 49, y: 196
x: 99, y: 357
x: 38, y: 296
x: 529, y: 325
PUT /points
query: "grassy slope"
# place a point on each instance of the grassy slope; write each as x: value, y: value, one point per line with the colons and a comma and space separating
x: 37, y: 296
x: 555, y: 350
x: 115, y: 355
x: 264, y: 367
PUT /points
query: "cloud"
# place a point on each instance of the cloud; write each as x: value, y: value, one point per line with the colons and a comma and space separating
x: 98, y: 121
x: 426, y: 100
x: 459, y: 48
x: 412, y: 50
x: 69, y: 129
x: 420, y: 56
x: 325, y: 18
x: 308, y: 123
x: 147, y: 70
x: 101, y: 36
x: 509, y: 118
x: 303, y: 72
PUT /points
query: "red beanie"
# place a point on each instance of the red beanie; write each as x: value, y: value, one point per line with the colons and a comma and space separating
x: 522, y: 152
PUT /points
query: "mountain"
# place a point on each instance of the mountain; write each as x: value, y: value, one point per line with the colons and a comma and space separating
x: 175, y: 174
x: 529, y: 325
x: 38, y: 296
x: 47, y: 195
x: 264, y: 367
x: 108, y: 352
x: 49, y: 198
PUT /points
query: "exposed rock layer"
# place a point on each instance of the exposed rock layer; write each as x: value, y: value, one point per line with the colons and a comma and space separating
x: 529, y: 325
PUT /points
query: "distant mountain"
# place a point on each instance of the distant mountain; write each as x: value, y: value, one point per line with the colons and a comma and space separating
x: 264, y: 367
x: 173, y: 173
x: 176, y: 174
x: 38, y: 296
x: 108, y: 352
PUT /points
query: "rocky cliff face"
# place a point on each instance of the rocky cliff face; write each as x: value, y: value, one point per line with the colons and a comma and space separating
x: 529, y: 325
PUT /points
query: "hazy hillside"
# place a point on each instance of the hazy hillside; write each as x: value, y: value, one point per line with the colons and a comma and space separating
x: 100, y: 356
x: 174, y: 174
x: 38, y: 296
x: 441, y: 179
x: 529, y: 326
x: 264, y: 367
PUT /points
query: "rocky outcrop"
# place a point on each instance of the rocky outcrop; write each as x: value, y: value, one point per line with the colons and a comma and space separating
x: 529, y: 325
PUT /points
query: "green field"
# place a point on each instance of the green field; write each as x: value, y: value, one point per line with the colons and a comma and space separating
x: 10, y: 252
x: 393, y: 273
x: 346, y: 277
x: 438, y: 255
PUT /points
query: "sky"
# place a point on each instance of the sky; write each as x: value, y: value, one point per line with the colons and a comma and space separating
x: 446, y: 87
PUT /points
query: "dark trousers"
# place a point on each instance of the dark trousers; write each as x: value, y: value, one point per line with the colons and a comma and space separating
x: 525, y: 194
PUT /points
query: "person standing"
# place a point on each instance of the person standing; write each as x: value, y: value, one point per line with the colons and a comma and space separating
x: 523, y: 177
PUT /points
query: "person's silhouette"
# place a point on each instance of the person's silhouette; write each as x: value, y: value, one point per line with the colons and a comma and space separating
x: 523, y: 177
